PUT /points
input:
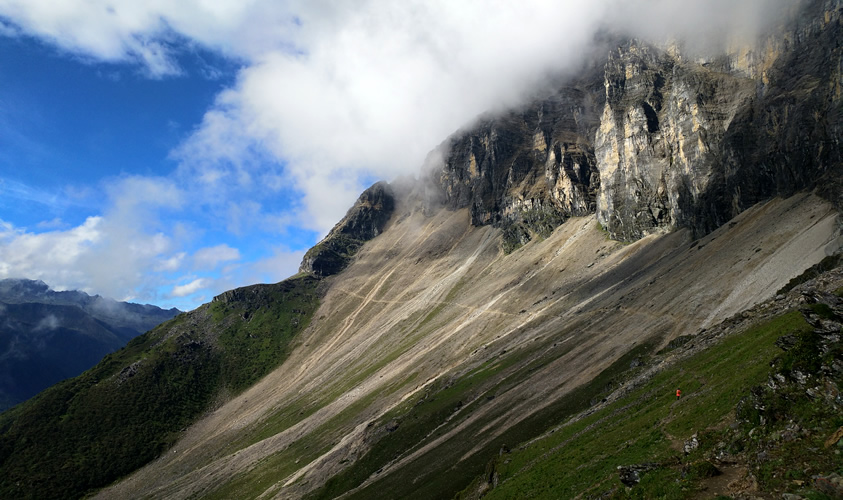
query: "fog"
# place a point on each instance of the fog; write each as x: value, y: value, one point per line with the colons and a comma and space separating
x: 330, y: 96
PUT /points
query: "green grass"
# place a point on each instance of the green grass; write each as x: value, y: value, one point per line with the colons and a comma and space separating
x: 88, y: 431
x: 365, y: 367
x: 259, y: 336
x: 584, y: 456
x: 282, y: 464
x: 445, y: 405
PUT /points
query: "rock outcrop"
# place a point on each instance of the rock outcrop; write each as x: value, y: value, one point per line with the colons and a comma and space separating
x: 530, y: 170
x: 660, y: 140
x: 661, y: 130
x: 365, y: 220
x: 786, y: 138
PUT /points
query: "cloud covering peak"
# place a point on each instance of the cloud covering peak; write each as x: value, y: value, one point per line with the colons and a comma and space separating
x: 332, y: 95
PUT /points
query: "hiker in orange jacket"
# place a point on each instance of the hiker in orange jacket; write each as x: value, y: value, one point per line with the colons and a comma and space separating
x: 678, y: 393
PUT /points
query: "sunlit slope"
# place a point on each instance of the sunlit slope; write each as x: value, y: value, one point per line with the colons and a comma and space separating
x: 732, y: 432
x: 86, y: 432
x: 434, y: 349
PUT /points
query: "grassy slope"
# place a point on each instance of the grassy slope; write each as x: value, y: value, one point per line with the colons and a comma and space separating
x: 88, y: 431
x: 647, y: 425
x: 650, y: 425
x: 446, y: 406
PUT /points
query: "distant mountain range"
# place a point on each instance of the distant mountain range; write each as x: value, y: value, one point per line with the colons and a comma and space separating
x: 48, y: 336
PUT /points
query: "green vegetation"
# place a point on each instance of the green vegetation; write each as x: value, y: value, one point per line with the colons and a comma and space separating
x: 86, y: 432
x: 258, y: 331
x: 280, y: 465
x: 534, y: 223
x: 513, y: 237
x: 650, y: 425
x: 444, y: 406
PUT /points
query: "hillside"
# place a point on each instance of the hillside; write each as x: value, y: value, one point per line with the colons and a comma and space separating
x: 48, y: 336
x: 133, y: 405
x: 769, y: 427
x: 498, y: 346
x: 553, y: 272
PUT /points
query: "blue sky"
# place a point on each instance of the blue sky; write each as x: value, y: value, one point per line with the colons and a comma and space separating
x: 74, y: 124
x: 163, y: 152
x: 73, y: 129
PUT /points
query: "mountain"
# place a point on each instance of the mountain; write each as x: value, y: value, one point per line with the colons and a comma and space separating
x: 48, y: 336
x: 515, y: 322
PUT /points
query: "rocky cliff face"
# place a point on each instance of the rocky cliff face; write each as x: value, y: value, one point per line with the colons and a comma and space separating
x: 529, y: 170
x: 786, y: 138
x: 661, y: 130
x: 659, y: 140
x: 365, y: 220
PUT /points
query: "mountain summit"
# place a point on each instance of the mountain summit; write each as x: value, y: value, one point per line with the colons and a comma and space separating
x: 548, y: 262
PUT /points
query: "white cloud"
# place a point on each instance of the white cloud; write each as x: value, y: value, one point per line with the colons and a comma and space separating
x: 54, y: 223
x: 50, y: 322
x: 29, y: 255
x: 171, y: 263
x: 110, y: 254
x: 211, y: 257
x: 189, y: 288
x: 14, y: 192
x: 101, y: 255
x: 374, y: 86
x: 282, y: 264
x: 339, y: 91
x: 331, y: 94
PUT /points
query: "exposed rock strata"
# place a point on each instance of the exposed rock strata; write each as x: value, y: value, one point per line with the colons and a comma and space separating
x: 660, y: 134
x: 660, y: 140
x: 527, y: 171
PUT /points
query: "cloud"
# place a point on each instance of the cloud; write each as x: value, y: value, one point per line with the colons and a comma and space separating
x: 12, y: 191
x: 334, y: 94
x: 50, y: 322
x: 211, y: 257
x: 372, y: 87
x: 705, y: 26
x: 189, y: 288
x: 109, y: 253
x: 282, y: 263
x: 147, y: 33
x: 51, y: 224
x: 171, y: 263
x: 331, y: 95
x: 136, y: 251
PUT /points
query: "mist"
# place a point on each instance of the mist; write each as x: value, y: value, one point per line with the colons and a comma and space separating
x: 369, y: 90
x: 330, y: 97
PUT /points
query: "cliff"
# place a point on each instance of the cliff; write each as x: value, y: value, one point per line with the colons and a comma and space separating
x: 660, y: 140
x: 365, y: 220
